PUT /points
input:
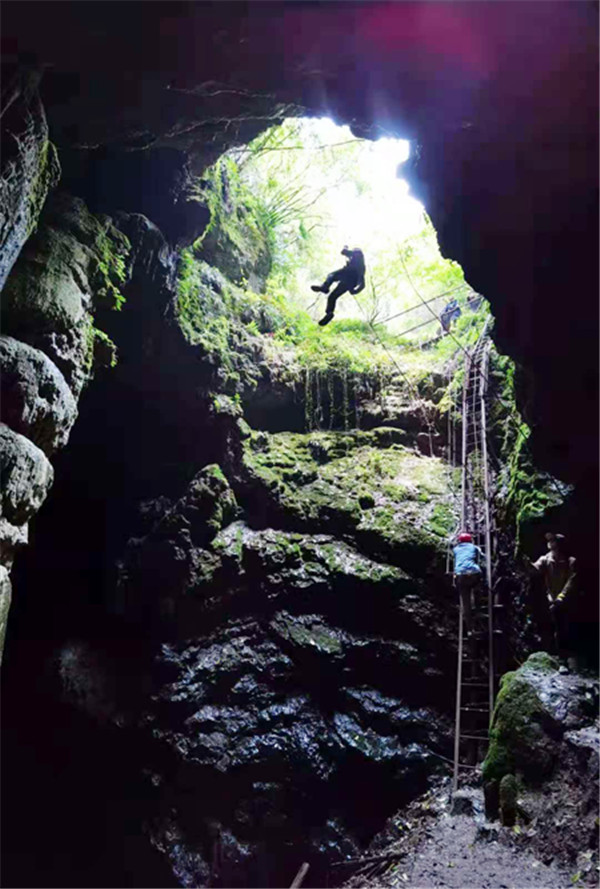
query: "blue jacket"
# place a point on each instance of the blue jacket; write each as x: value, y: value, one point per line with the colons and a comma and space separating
x: 466, y: 558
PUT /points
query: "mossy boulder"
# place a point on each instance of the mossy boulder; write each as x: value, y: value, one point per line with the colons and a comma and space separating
x: 524, y: 733
x: 209, y: 504
x: 307, y: 631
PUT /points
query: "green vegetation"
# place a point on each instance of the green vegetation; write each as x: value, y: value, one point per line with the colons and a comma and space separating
x: 352, y: 482
x: 237, y: 240
x: 519, y: 743
x: 524, y: 492
x: 275, y: 226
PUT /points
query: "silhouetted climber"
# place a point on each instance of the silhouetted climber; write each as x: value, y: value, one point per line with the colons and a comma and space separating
x: 467, y: 573
x: 557, y: 569
x: 351, y: 278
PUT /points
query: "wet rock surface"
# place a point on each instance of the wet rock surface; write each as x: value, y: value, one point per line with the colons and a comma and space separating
x: 26, y: 476
x: 71, y: 266
x: 36, y: 400
x: 279, y: 682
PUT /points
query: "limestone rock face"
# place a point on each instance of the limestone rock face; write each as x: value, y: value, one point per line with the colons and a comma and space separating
x: 29, y: 165
x: 5, y: 597
x: 26, y: 476
x: 36, y: 400
x: 70, y: 267
x: 393, y: 499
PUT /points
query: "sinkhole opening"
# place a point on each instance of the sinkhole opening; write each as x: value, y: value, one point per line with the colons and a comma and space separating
x: 337, y: 266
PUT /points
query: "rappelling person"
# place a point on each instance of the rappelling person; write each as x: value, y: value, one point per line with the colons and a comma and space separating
x: 467, y: 574
x: 350, y: 278
x: 450, y: 314
x: 557, y: 570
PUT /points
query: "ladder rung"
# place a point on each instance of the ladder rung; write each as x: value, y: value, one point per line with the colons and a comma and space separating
x: 476, y: 684
x: 474, y: 738
x: 469, y: 709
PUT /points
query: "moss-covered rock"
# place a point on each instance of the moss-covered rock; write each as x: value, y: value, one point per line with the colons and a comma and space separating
x: 524, y: 731
x: 209, y: 503
x: 72, y: 266
x: 307, y: 631
x: 509, y: 788
x: 236, y: 242
x: 391, y: 498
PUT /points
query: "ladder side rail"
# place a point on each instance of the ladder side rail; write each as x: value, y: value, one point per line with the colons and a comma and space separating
x: 458, y: 699
x: 488, y: 544
x: 464, y: 481
x: 465, y: 417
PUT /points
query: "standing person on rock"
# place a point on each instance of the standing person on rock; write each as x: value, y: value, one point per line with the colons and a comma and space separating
x: 467, y: 574
x: 557, y: 570
x: 350, y: 278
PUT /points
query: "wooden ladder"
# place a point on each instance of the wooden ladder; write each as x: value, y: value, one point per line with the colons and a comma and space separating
x: 475, y: 667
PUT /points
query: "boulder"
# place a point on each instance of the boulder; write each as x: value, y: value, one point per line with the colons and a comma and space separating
x: 36, y: 400
x: 25, y: 474
x: 536, y: 705
x: 12, y: 537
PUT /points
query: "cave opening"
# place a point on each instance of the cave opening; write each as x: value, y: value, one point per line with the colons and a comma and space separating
x: 75, y: 644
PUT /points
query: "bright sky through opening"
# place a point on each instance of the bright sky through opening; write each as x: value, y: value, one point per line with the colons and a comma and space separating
x: 332, y: 189
x: 388, y: 210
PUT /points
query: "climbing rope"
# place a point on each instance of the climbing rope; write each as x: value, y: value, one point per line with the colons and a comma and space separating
x: 433, y: 299
x: 411, y: 388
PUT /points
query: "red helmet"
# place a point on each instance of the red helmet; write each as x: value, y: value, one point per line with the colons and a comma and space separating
x: 465, y: 537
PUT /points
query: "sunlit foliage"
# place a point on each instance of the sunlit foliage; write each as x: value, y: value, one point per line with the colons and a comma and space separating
x: 317, y: 188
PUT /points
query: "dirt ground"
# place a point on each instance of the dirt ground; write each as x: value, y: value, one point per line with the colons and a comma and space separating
x: 429, y: 846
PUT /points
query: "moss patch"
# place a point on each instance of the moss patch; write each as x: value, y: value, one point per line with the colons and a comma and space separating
x: 519, y: 742
x: 329, y: 479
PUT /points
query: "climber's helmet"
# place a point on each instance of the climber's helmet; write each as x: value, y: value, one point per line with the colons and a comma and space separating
x: 555, y: 541
x: 465, y: 537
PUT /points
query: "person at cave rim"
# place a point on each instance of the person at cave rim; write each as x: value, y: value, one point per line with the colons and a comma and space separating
x: 467, y: 574
x: 350, y: 278
x: 557, y: 570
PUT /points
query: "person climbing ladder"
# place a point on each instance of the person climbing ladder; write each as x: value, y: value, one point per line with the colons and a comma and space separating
x: 350, y: 278
x: 467, y: 574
